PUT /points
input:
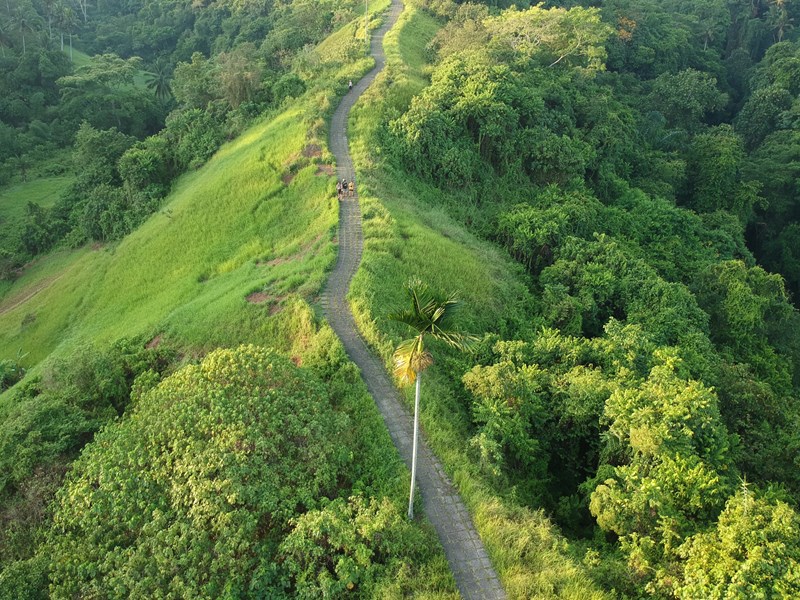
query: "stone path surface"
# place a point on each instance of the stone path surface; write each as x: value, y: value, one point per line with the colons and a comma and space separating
x: 474, y: 574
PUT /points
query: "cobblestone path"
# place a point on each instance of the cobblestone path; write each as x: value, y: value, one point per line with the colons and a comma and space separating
x: 474, y: 575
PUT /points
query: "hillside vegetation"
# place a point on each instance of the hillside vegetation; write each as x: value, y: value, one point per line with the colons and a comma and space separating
x: 643, y: 390
x: 611, y: 192
x: 116, y: 331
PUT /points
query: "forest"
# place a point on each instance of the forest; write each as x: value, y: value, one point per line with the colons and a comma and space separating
x: 613, y: 190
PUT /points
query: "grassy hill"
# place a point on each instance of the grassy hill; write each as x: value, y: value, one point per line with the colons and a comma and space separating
x: 240, y: 225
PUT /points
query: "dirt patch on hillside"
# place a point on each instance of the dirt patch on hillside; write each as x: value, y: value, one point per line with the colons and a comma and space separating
x: 154, y: 343
x: 312, y: 151
x: 300, y: 254
x: 326, y: 170
x: 275, y: 302
x: 258, y: 297
x: 275, y: 262
x: 20, y: 299
x: 288, y: 178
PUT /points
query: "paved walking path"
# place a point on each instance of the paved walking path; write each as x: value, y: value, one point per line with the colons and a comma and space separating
x: 474, y: 575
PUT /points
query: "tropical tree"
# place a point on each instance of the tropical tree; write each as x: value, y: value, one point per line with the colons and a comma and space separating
x: 428, y: 314
x: 779, y: 18
x: 66, y: 20
x: 25, y: 20
x: 158, y: 79
x: 5, y: 37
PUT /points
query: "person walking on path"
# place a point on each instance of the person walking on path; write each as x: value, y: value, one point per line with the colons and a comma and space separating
x: 350, y: 86
x: 351, y: 187
x: 339, y: 189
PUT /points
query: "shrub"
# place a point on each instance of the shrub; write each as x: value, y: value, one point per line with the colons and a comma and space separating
x: 349, y: 547
x: 196, y: 504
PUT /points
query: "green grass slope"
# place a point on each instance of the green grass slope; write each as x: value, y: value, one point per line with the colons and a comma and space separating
x: 242, y: 224
x: 13, y: 200
x: 406, y: 235
x: 259, y: 217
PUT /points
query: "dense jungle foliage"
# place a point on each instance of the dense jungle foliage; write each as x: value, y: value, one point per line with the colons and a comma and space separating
x: 637, y: 158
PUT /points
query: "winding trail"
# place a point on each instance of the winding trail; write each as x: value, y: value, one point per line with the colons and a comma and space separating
x: 469, y: 562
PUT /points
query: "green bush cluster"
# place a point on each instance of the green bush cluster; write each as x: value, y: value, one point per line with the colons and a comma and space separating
x: 241, y: 492
x: 46, y: 423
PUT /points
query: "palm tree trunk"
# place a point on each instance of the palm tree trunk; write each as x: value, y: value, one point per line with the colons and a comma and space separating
x: 414, y: 451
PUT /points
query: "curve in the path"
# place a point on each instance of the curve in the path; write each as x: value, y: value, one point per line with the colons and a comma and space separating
x: 474, y: 574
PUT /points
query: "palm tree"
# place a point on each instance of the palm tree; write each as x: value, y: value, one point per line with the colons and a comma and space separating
x: 429, y: 314
x: 5, y: 39
x: 779, y: 18
x: 25, y: 21
x: 157, y: 80
x: 65, y: 20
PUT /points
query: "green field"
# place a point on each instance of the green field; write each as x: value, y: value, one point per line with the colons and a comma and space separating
x: 233, y: 228
x: 14, y: 198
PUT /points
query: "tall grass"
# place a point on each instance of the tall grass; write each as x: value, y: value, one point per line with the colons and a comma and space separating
x: 407, y: 234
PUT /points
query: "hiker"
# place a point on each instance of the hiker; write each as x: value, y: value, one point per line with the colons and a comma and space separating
x: 339, y: 189
x: 344, y: 188
x: 351, y: 187
x: 350, y: 86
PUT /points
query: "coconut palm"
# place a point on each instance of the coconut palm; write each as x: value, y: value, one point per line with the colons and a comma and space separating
x: 5, y: 37
x: 157, y: 80
x: 429, y: 314
x: 66, y: 20
x: 25, y: 21
x: 779, y: 18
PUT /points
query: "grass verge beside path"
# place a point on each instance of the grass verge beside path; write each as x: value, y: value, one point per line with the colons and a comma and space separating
x: 406, y: 234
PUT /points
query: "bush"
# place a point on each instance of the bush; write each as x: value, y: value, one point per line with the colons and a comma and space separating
x: 25, y: 580
x: 350, y: 547
x: 196, y: 504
